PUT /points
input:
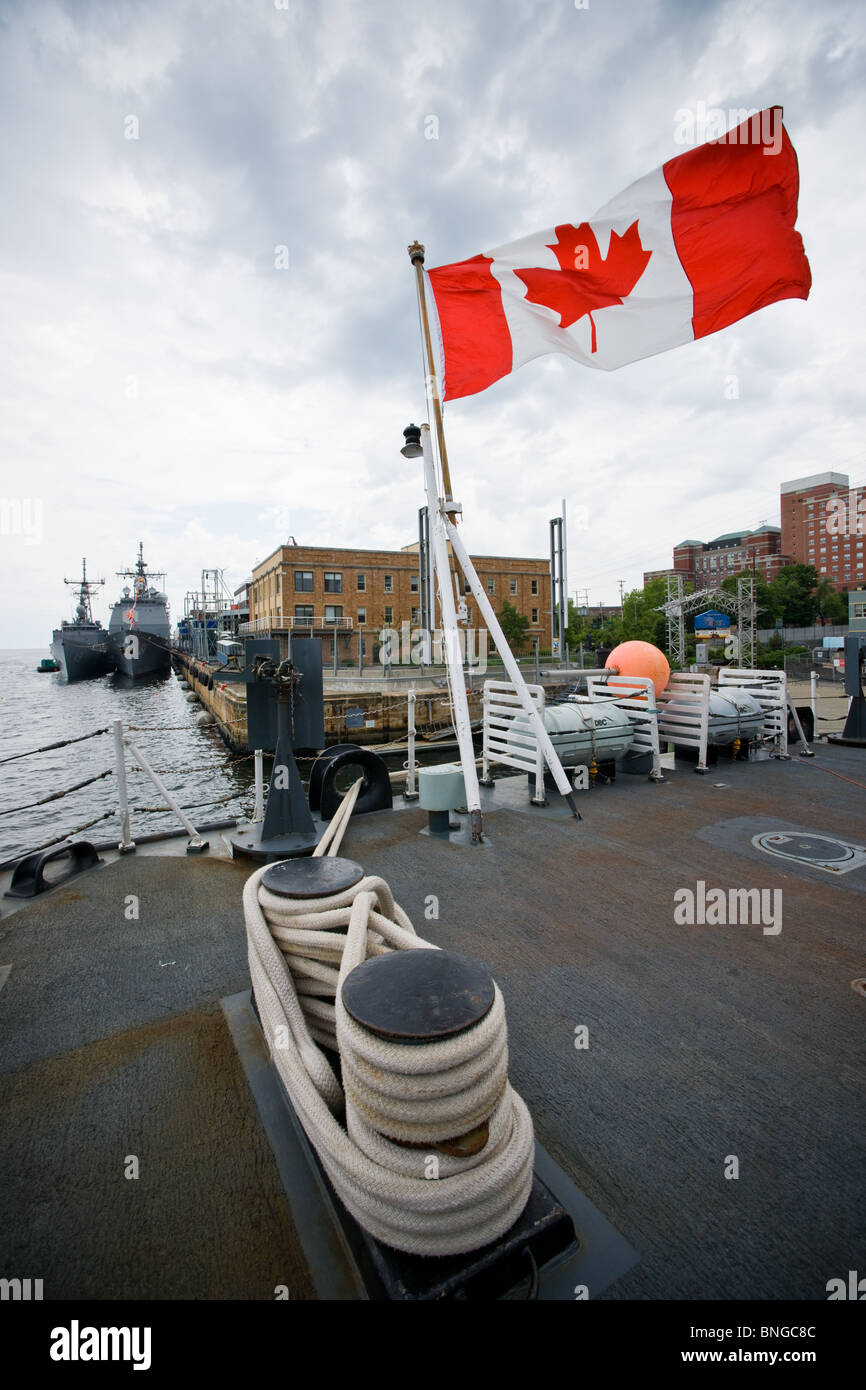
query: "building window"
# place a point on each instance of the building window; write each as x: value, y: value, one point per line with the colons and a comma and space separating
x: 491, y: 586
x: 467, y: 587
x: 414, y: 583
x: 304, y: 614
x: 389, y: 584
x: 303, y: 581
x: 333, y: 611
x: 389, y: 615
x: 333, y: 583
x: 362, y: 615
x: 512, y: 587
x: 362, y: 583
x: 414, y: 615
x: 534, y: 588
x: 535, y: 615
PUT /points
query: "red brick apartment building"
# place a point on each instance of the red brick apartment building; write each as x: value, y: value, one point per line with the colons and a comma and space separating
x: 823, y: 524
x: 707, y: 563
x: 317, y: 589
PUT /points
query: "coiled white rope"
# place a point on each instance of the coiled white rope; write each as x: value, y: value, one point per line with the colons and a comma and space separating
x: 300, y: 952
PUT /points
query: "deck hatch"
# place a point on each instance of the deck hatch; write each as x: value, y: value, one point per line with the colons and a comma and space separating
x: 825, y: 852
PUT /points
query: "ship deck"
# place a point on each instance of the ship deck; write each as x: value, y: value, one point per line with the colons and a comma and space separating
x: 705, y: 1041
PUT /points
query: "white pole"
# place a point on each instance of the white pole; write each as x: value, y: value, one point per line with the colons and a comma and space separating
x: 410, y: 793
x: 196, y: 842
x: 514, y: 673
x: 813, y: 684
x: 451, y: 635
x: 259, y: 812
x: 126, y: 841
x: 564, y: 581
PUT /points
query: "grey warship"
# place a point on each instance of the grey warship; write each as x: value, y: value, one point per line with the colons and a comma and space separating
x: 139, y: 627
x: 82, y: 647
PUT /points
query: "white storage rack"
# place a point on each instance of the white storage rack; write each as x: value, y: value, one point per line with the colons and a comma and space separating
x: 770, y: 689
x: 687, y: 726
x: 517, y: 748
x: 635, y: 695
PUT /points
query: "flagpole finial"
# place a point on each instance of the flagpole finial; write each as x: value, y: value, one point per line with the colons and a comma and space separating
x: 416, y: 252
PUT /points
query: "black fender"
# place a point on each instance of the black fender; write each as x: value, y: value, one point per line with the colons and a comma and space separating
x: 314, y: 793
x: 375, y: 793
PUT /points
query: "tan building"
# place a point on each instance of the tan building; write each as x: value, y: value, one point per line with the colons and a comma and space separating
x: 315, y: 589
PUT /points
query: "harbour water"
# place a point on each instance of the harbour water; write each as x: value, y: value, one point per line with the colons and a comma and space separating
x: 38, y: 709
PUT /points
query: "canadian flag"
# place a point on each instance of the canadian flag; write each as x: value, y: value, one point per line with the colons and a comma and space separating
x: 698, y: 244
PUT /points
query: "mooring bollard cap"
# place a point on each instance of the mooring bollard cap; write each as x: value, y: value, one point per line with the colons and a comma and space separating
x: 307, y: 877
x: 418, y: 996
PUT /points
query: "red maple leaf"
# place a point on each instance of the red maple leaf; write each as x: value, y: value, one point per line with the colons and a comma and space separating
x: 586, y: 281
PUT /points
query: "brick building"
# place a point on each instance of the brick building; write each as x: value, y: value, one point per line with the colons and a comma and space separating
x: 317, y: 589
x: 823, y: 521
x: 705, y: 563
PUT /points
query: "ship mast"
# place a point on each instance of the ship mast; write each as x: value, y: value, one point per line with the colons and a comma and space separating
x: 140, y: 573
x: 85, y: 588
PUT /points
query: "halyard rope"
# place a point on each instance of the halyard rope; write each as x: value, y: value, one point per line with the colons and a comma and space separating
x: 300, y: 952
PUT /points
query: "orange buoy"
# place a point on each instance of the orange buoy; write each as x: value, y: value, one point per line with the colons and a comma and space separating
x: 641, y: 659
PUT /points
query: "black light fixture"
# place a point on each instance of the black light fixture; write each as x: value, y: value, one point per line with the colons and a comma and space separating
x: 412, y: 448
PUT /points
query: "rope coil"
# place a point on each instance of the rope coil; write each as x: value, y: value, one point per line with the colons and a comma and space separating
x: 300, y: 953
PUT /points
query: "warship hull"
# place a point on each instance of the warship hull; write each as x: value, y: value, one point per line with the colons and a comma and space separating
x: 148, y: 655
x: 83, y: 652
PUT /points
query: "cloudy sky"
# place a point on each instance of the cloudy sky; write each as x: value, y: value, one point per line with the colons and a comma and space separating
x: 167, y: 376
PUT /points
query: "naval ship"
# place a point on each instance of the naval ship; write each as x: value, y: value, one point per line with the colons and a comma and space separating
x: 81, y: 647
x: 139, y: 625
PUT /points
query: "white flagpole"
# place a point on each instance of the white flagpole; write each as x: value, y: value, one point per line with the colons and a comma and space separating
x: 441, y: 508
x: 453, y: 654
x: 442, y: 511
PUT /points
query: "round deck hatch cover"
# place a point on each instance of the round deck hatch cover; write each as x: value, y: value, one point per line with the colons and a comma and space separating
x: 818, y: 851
x: 418, y: 996
x: 312, y: 878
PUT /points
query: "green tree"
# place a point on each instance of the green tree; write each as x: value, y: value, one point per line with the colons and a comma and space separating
x: 794, y: 592
x: 514, y: 624
x: 830, y: 607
